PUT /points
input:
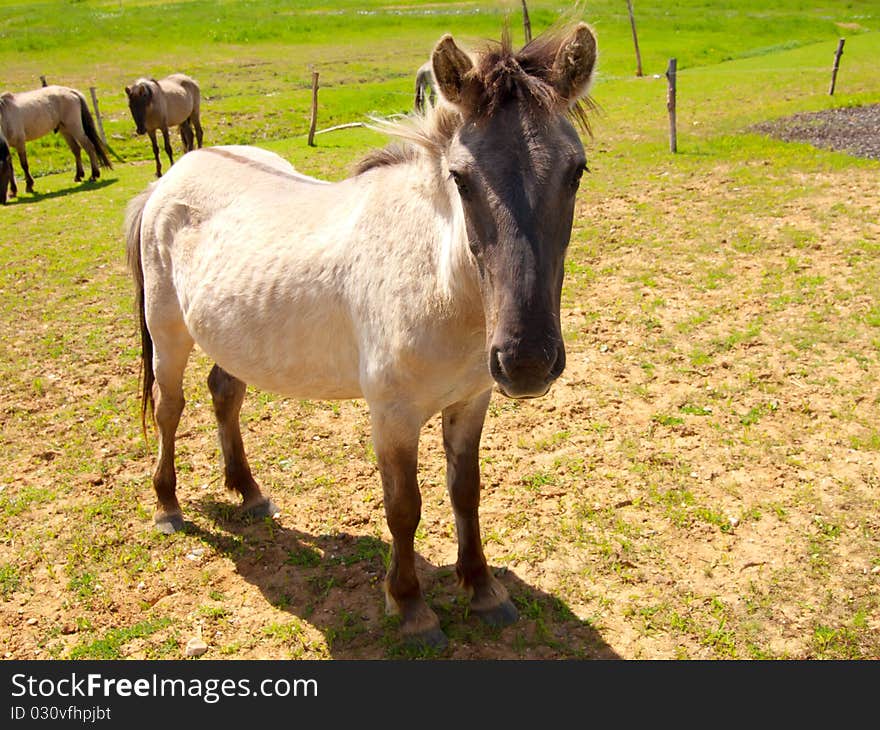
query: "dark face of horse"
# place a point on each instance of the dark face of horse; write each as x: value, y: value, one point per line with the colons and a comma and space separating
x: 517, y: 168
x: 517, y: 180
x: 139, y: 98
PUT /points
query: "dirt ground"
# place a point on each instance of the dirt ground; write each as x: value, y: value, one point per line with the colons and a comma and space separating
x: 702, y: 482
x: 854, y: 130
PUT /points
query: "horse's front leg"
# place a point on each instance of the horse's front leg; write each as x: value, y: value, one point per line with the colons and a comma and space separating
x: 396, y: 440
x: 22, y: 159
x: 462, y: 427
x: 155, y: 144
x: 168, y: 151
x: 227, y: 392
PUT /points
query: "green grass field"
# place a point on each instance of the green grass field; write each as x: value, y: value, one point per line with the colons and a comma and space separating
x: 702, y: 484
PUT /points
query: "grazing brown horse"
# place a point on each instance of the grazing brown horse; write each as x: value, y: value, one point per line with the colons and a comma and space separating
x: 29, y: 115
x: 168, y: 102
x: 421, y: 283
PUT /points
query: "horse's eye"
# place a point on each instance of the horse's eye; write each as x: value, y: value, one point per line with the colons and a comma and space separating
x: 578, y: 174
x: 460, y: 183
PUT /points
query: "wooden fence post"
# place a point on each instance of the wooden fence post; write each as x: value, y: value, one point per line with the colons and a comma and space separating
x: 670, y: 103
x: 527, y: 24
x: 837, y: 54
x: 97, y: 114
x: 314, y: 120
x: 632, y: 22
x: 43, y: 81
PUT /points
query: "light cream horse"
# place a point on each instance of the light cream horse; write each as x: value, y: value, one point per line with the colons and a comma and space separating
x: 172, y: 101
x: 29, y: 115
x: 418, y: 284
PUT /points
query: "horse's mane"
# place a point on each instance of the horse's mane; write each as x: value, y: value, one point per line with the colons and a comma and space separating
x: 499, y: 75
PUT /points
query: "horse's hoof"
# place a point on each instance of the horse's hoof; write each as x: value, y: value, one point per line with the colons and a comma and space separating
x: 258, y: 511
x: 433, y: 639
x: 169, y: 524
x: 503, y: 614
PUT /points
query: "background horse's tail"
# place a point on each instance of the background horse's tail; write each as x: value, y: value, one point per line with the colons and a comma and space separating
x: 92, y: 132
x: 133, y: 215
x: 6, y: 177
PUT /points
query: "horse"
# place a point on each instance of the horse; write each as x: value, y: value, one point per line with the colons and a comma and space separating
x: 425, y: 85
x: 427, y: 278
x: 168, y: 102
x: 7, y: 175
x: 29, y: 115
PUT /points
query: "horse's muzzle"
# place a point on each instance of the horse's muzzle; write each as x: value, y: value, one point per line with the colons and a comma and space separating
x: 141, y: 130
x: 526, y: 375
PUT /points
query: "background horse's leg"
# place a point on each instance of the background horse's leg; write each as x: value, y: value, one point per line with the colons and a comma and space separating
x: 87, y: 145
x: 22, y: 159
x: 152, y: 133
x: 75, y: 148
x: 462, y: 426
x: 198, y: 125
x: 396, y: 440
x: 171, y: 352
x: 168, y: 151
x: 227, y: 393
x: 186, y: 136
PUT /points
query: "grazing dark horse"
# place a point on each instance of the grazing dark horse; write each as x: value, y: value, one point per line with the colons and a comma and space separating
x: 29, y: 115
x: 7, y: 176
x: 429, y: 277
x: 172, y: 101
x: 425, y: 86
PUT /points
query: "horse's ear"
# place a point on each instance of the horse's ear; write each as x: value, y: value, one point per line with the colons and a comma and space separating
x: 575, y: 62
x: 128, y: 91
x: 451, y: 66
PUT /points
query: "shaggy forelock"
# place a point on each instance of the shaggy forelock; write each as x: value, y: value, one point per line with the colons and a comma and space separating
x: 499, y: 76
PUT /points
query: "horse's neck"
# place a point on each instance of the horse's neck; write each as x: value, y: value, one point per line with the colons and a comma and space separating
x: 457, y: 284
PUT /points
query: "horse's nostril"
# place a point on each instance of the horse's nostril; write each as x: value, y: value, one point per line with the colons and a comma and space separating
x: 558, y: 363
x: 495, y: 366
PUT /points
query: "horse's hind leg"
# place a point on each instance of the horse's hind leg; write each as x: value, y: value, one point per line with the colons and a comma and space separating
x: 75, y: 149
x: 171, y: 353
x: 462, y: 426
x: 198, y: 125
x: 87, y: 145
x: 186, y: 136
x: 396, y: 440
x: 227, y: 393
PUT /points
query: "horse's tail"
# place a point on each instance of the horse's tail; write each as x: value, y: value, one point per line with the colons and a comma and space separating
x: 92, y: 133
x: 134, y: 213
x: 5, y: 169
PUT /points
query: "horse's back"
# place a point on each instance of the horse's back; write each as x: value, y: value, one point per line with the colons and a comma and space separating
x: 261, y: 296
x: 38, y: 112
x: 182, y: 97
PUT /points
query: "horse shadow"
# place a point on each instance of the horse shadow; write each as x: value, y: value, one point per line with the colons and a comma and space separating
x: 81, y: 187
x: 334, y: 583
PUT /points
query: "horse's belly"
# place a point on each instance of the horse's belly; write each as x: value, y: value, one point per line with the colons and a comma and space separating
x: 315, y: 362
x: 40, y: 127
